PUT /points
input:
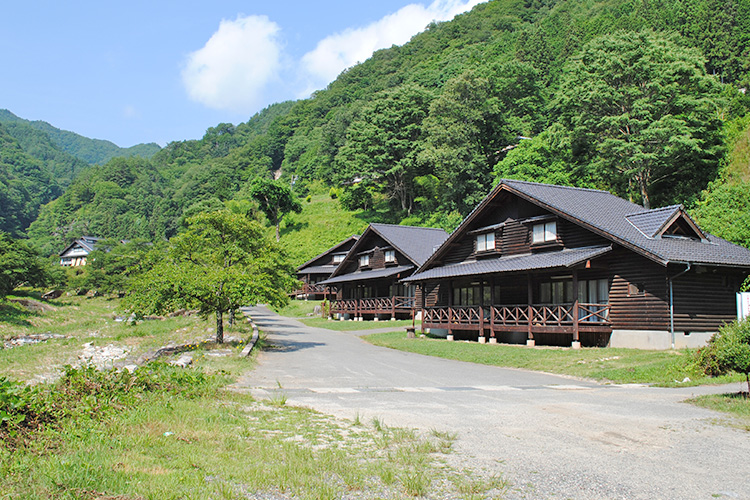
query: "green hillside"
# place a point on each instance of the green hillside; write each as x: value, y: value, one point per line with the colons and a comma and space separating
x: 91, y: 151
x: 420, y: 133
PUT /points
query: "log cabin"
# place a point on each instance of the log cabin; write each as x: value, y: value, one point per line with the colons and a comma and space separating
x: 367, y: 282
x: 555, y: 265
x: 319, y: 268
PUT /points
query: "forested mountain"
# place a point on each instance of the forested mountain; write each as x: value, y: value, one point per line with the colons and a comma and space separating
x: 91, y: 151
x: 634, y: 96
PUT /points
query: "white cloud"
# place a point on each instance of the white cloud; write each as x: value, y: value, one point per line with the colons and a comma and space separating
x: 337, y: 52
x: 131, y: 111
x: 231, y: 71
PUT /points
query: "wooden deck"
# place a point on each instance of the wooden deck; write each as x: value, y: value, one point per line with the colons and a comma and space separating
x: 313, y: 291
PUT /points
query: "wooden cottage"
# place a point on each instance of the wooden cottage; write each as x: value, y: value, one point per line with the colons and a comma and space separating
x: 76, y: 253
x: 557, y: 265
x: 319, y: 268
x: 367, y: 281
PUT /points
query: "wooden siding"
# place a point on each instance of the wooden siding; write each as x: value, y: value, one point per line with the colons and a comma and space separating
x: 648, y: 308
x: 704, y: 299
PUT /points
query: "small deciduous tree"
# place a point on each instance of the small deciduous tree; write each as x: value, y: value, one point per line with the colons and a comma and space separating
x: 275, y: 200
x: 728, y: 351
x: 19, y: 265
x: 221, y: 262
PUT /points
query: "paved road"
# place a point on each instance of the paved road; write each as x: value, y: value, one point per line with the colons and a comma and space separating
x: 553, y: 437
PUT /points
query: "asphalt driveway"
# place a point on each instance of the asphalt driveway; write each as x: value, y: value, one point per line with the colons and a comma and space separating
x: 552, y: 437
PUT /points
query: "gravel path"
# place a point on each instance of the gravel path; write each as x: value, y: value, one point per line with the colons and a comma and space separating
x: 552, y: 437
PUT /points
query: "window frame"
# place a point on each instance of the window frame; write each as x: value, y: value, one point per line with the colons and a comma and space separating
x: 484, y: 238
x: 391, y: 254
x: 547, y: 236
x: 364, y: 260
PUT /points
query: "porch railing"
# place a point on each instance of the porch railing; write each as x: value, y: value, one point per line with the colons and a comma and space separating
x: 373, y: 305
x: 310, y: 289
x: 541, y: 315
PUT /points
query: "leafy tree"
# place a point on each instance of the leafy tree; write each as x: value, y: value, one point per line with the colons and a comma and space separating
x: 382, y: 145
x: 643, y: 115
x: 728, y: 351
x: 479, y: 113
x: 275, y: 200
x: 19, y: 265
x: 221, y: 262
x: 724, y: 210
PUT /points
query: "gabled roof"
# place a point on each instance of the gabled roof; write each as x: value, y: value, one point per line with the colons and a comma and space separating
x: 331, y: 250
x: 619, y: 221
x: 88, y: 243
x: 414, y: 243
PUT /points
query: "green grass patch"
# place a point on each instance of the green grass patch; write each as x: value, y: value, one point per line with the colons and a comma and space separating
x: 349, y: 326
x: 297, y: 308
x: 735, y: 404
x: 322, y: 224
x: 621, y: 366
x: 164, y: 432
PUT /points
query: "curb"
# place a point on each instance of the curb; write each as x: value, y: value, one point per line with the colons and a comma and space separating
x: 253, y: 340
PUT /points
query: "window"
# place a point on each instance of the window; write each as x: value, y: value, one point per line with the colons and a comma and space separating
x: 364, y: 260
x: 390, y: 256
x: 485, y: 242
x: 544, y: 233
x: 338, y: 259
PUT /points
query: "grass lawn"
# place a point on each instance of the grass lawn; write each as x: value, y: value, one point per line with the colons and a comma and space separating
x: 621, y: 366
x: 737, y: 405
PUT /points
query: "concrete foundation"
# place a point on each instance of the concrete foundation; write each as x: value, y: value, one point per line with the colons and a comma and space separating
x: 575, y: 345
x: 493, y: 340
x: 449, y: 337
x: 657, y: 339
x: 530, y: 343
x: 482, y: 340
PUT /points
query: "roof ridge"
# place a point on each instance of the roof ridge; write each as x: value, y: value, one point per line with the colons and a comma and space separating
x: 504, y: 181
x: 407, y: 226
x: 660, y: 209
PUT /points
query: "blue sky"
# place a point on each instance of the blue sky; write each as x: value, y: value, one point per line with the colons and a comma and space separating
x: 160, y: 71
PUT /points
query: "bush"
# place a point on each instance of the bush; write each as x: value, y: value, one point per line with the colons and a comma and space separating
x: 87, y: 393
x: 728, y: 351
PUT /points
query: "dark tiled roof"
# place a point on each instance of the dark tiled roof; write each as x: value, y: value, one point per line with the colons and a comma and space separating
x: 649, y: 222
x: 608, y: 215
x: 366, y: 275
x: 417, y: 243
x: 317, y: 270
x: 88, y: 243
x: 511, y: 263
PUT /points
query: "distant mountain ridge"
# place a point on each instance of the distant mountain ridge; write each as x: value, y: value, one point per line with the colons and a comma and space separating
x: 92, y: 151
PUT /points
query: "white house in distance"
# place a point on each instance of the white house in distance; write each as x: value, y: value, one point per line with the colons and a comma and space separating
x: 75, y: 254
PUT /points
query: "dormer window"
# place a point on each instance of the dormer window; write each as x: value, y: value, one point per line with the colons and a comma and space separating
x: 364, y: 260
x: 390, y: 256
x: 338, y: 259
x: 544, y: 232
x: 485, y: 242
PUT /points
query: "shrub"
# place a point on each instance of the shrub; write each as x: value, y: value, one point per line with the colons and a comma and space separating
x: 728, y: 351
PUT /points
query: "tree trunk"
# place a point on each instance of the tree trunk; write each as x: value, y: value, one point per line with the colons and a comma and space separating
x: 231, y: 317
x: 219, y: 327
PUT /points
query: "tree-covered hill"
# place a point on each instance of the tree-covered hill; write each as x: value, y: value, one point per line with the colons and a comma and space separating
x: 91, y: 151
x: 535, y: 89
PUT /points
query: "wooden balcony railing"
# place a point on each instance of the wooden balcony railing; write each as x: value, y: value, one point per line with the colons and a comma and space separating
x: 557, y: 316
x: 312, y: 289
x: 373, y: 305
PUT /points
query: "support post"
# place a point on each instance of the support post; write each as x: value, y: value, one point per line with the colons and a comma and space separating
x: 422, y: 287
x: 576, y: 338
x: 530, y: 297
